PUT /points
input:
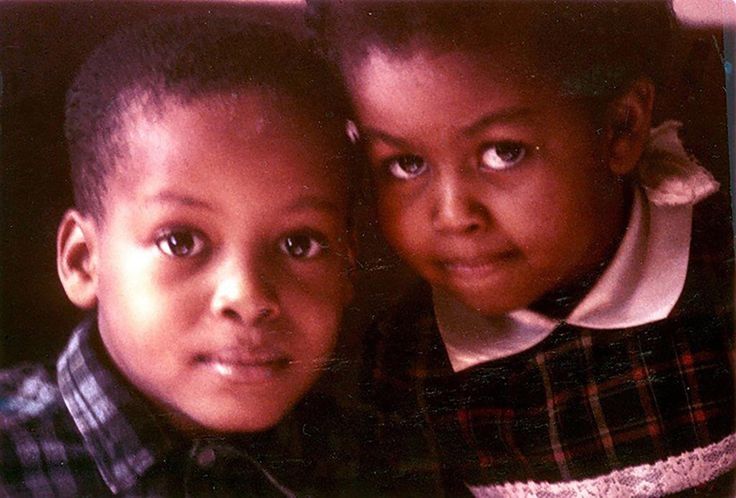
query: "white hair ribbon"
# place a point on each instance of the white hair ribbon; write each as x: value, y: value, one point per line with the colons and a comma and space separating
x: 669, y: 175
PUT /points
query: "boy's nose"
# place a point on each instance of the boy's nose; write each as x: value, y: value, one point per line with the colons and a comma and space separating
x: 244, y: 294
x: 455, y: 209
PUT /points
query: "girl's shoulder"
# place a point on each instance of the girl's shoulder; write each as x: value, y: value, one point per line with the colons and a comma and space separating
x: 712, y: 233
x: 710, y: 278
x: 402, y: 349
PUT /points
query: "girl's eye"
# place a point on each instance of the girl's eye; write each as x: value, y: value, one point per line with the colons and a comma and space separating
x: 180, y: 243
x: 406, y: 167
x: 302, y: 246
x: 502, y: 155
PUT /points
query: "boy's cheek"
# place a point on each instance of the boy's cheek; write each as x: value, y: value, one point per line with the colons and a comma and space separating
x: 324, y: 298
x: 317, y: 277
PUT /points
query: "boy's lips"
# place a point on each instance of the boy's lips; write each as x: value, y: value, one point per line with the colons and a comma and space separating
x: 243, y: 366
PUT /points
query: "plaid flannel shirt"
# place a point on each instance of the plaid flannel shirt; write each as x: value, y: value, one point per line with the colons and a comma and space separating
x: 83, y: 431
x: 581, y: 403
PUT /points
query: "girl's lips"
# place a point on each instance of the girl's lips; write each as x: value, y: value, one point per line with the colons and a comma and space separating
x: 476, y: 267
x: 477, y: 261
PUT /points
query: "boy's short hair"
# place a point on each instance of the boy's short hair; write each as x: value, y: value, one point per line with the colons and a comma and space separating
x: 183, y: 58
x: 595, y: 49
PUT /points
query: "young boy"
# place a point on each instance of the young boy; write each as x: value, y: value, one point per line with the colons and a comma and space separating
x: 210, y: 243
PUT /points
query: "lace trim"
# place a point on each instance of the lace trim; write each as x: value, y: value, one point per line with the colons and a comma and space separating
x: 677, y: 473
x: 670, y: 176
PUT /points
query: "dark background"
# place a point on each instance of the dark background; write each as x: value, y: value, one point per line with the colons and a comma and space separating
x: 41, y: 46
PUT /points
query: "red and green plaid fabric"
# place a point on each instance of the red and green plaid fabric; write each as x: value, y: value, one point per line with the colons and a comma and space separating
x: 579, y: 404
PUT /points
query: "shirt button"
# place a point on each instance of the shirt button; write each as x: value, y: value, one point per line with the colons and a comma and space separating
x: 206, y: 458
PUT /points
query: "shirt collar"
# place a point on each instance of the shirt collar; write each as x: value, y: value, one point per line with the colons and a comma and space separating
x: 119, y: 430
x: 646, y: 277
x: 641, y: 285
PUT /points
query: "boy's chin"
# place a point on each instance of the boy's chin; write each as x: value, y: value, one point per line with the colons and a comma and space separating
x: 233, y: 419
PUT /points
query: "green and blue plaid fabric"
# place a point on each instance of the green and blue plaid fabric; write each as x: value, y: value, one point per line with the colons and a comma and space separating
x: 82, y: 430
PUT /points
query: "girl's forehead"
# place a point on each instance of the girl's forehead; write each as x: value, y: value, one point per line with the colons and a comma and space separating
x: 503, y: 68
x: 593, y: 49
x: 431, y: 95
x: 510, y: 48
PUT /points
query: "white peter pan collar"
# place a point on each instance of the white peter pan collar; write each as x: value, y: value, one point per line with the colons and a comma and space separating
x: 641, y: 284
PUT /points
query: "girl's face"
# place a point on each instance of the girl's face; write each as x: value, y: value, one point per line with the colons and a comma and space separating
x: 490, y: 184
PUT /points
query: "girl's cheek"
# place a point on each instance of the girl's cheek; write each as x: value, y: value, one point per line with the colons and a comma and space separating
x: 399, y: 207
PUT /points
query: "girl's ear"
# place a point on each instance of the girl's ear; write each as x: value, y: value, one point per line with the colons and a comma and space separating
x: 76, y: 258
x: 628, y: 121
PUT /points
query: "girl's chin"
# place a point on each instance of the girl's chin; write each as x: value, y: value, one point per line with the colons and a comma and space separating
x: 487, y: 305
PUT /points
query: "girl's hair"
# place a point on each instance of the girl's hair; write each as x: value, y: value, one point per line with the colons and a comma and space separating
x: 594, y: 49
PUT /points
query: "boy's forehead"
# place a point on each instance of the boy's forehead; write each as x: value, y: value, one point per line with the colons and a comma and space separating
x: 264, y: 108
x: 250, y: 119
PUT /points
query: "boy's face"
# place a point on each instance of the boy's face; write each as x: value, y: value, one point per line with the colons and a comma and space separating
x: 221, y: 260
x: 489, y: 183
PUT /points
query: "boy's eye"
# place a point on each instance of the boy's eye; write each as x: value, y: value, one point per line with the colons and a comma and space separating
x: 302, y: 246
x: 406, y: 167
x: 502, y: 155
x: 180, y: 243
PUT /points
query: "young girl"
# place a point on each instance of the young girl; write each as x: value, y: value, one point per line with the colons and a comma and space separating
x: 575, y: 331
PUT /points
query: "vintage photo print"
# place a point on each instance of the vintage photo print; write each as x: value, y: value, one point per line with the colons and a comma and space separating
x: 367, y: 248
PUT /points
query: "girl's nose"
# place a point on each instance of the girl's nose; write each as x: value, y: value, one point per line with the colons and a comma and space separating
x: 245, y: 294
x: 455, y: 209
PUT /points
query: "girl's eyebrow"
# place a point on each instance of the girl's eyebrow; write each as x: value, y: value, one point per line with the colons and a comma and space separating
x: 493, y: 118
x: 480, y: 124
x: 384, y: 137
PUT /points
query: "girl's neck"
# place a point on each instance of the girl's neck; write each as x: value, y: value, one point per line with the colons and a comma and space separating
x: 561, y: 301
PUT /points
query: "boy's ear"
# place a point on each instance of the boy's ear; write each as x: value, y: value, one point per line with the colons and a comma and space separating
x: 76, y: 258
x: 628, y: 123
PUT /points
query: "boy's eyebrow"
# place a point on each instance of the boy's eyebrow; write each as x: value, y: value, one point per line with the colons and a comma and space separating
x: 176, y: 198
x: 504, y: 116
x: 303, y: 203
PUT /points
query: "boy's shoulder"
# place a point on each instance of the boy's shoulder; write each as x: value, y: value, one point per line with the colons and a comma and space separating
x: 41, y: 451
x: 28, y: 393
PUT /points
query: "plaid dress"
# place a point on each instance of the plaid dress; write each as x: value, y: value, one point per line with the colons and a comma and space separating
x: 82, y: 430
x: 581, y: 403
